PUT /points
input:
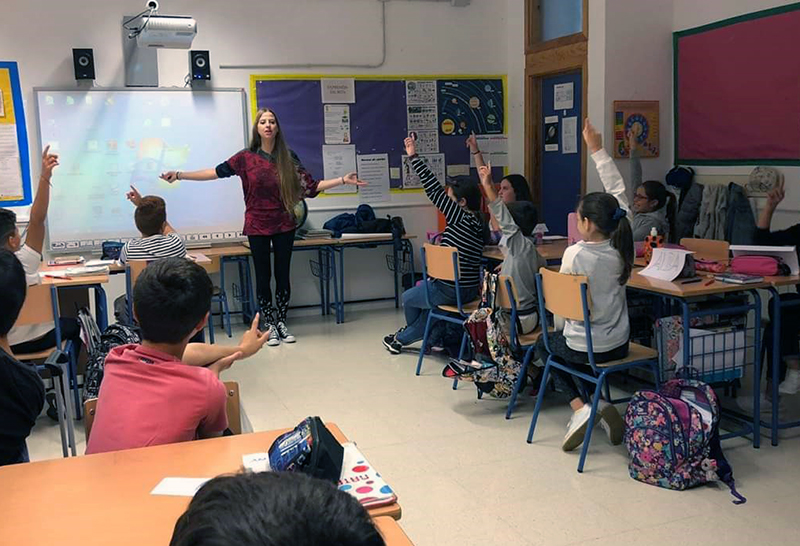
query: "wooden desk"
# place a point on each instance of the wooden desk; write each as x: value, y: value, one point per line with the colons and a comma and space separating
x: 105, y: 498
x: 392, y: 533
x: 549, y: 250
x: 678, y: 290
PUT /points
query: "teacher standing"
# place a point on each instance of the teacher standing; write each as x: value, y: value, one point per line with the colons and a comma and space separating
x: 273, y: 181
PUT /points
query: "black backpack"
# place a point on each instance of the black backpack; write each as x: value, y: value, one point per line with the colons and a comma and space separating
x: 98, y: 346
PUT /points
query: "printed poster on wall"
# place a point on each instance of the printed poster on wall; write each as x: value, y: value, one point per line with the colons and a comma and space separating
x: 563, y: 96
x: 551, y: 134
x: 436, y: 164
x: 337, y: 124
x: 421, y: 118
x: 421, y: 92
x: 471, y: 106
x: 374, y: 170
x: 569, y: 135
x: 341, y: 90
x: 642, y: 119
x: 338, y: 161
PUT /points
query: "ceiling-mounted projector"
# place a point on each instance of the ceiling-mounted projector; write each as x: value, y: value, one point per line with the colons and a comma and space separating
x: 168, y: 31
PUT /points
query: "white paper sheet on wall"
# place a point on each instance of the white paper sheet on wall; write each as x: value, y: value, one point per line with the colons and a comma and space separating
x: 374, y: 170
x: 569, y: 135
x: 341, y: 90
x: 494, y: 149
x: 436, y: 163
x: 337, y: 124
x: 563, y: 96
x: 338, y: 161
x: 10, y: 170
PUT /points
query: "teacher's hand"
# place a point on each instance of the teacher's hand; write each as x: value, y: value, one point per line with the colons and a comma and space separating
x: 169, y: 176
x: 352, y: 179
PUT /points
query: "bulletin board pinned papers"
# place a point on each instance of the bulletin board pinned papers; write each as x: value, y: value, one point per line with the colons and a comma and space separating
x: 15, y: 174
x: 440, y: 111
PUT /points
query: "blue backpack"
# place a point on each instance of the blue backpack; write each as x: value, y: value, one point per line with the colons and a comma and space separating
x: 672, y: 436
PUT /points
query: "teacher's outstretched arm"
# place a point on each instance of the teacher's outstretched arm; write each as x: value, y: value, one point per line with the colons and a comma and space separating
x: 202, y: 175
x: 348, y: 179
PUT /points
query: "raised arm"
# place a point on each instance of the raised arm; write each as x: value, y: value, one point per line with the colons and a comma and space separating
x: 472, y: 144
x: 38, y: 215
x: 636, y: 165
x: 136, y: 199
x: 433, y: 188
x: 203, y: 354
x: 606, y: 168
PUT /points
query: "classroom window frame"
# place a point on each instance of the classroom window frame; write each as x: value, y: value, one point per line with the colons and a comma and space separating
x: 533, y: 20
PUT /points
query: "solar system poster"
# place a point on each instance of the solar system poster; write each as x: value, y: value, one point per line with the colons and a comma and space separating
x: 641, y: 118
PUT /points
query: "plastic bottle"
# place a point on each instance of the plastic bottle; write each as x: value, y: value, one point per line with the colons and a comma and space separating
x: 654, y: 240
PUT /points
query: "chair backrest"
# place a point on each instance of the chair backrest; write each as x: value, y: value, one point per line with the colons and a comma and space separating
x: 502, y: 298
x: 233, y: 407
x: 562, y: 294
x: 439, y: 262
x: 39, y: 305
x: 707, y: 249
x: 135, y: 268
x: 89, y: 409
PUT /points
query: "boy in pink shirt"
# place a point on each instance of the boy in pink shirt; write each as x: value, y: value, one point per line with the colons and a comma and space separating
x: 167, y: 390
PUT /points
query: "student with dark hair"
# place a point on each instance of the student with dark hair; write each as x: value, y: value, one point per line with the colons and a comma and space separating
x: 460, y: 203
x: 605, y: 256
x: 522, y: 259
x: 159, y: 239
x: 274, y: 509
x: 653, y: 205
x: 21, y: 388
x: 167, y: 390
x: 35, y: 337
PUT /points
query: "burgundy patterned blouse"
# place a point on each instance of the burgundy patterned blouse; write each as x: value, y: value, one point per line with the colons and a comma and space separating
x: 264, y: 211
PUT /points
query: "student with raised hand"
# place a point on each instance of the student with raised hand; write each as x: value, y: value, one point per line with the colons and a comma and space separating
x: 162, y: 391
x: 459, y: 201
x: 605, y: 256
x: 36, y: 337
x: 274, y: 509
x: 516, y: 221
x: 274, y: 182
x: 654, y: 206
x: 790, y: 316
x: 159, y: 239
x: 513, y: 187
x: 21, y: 388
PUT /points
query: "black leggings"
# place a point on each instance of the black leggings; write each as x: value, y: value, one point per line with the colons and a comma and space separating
x: 790, y: 329
x: 70, y: 329
x: 260, y: 246
x: 575, y: 386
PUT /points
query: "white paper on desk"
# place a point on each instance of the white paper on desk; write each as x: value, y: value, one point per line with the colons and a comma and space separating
x: 54, y: 274
x: 338, y: 161
x: 374, y: 170
x: 553, y: 237
x: 256, y: 462
x: 92, y: 263
x: 179, y: 487
x: 666, y: 264
x: 786, y: 253
x: 198, y: 257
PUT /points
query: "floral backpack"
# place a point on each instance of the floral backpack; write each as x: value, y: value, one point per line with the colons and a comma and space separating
x: 672, y: 436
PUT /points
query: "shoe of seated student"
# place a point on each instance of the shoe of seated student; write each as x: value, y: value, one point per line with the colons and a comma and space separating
x: 746, y: 404
x: 392, y: 345
x: 576, y: 428
x: 791, y: 384
x: 284, y: 334
x: 611, y: 422
x: 274, y: 338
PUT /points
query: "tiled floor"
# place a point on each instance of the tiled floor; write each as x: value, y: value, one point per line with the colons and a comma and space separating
x: 464, y: 475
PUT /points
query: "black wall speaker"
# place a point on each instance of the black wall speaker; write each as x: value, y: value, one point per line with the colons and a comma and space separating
x: 199, y: 65
x: 83, y: 61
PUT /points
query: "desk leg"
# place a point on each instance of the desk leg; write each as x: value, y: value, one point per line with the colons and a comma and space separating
x: 776, y: 363
x: 101, y: 307
x: 334, y: 277
x: 757, y: 371
x: 397, y: 272
x: 68, y: 408
x: 322, y: 272
x: 340, y: 317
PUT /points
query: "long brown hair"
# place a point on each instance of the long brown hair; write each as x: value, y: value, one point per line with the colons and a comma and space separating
x: 289, y: 180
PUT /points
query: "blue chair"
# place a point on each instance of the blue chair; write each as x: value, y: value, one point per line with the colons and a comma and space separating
x: 441, y: 263
x: 567, y: 296
x: 219, y: 297
x: 41, y: 306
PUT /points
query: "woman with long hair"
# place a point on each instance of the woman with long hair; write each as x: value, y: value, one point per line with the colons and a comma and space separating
x: 273, y: 182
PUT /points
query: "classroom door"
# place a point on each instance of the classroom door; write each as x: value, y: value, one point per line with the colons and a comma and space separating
x: 560, y: 151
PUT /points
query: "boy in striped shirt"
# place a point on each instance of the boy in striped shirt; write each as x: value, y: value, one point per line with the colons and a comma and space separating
x: 158, y: 240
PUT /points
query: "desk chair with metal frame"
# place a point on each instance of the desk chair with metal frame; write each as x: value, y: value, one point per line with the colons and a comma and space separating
x: 567, y: 296
x: 41, y: 306
x: 441, y: 263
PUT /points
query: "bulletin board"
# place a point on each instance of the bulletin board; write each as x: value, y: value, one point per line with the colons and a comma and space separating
x: 736, y: 90
x: 447, y: 107
x: 15, y: 173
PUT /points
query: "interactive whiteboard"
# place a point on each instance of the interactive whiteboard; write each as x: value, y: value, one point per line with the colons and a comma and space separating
x: 108, y: 139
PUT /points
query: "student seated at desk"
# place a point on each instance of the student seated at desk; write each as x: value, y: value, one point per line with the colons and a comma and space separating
x: 605, y: 257
x: 274, y: 509
x: 158, y: 239
x: 653, y: 205
x: 460, y: 204
x: 790, y: 316
x: 21, y: 388
x: 522, y: 260
x: 36, y: 337
x: 167, y: 390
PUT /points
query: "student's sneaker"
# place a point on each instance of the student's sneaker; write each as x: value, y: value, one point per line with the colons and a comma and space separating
x: 791, y: 384
x: 274, y: 337
x: 576, y: 428
x: 746, y: 404
x: 392, y: 345
x: 283, y: 331
x: 611, y: 421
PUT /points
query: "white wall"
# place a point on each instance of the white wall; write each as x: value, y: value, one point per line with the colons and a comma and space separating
x: 422, y: 38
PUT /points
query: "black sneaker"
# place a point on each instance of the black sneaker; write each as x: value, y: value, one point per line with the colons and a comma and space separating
x: 392, y: 345
x: 283, y: 331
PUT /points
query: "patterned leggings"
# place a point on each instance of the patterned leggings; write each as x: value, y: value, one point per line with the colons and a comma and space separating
x: 261, y: 247
x: 575, y: 386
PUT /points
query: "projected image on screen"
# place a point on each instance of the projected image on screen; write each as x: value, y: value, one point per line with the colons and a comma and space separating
x: 109, y: 140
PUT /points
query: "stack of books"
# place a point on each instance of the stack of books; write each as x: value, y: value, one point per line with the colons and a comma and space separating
x: 314, y: 234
